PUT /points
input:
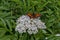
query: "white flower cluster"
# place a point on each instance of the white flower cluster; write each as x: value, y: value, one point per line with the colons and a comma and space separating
x: 30, y: 25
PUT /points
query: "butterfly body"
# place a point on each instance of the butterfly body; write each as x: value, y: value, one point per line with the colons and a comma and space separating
x: 33, y: 15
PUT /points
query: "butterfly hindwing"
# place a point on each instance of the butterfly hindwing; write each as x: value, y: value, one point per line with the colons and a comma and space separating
x: 37, y: 15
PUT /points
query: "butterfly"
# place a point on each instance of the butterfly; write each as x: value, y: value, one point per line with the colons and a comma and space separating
x: 34, y: 15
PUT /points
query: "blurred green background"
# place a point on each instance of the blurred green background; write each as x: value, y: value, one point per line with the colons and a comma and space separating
x: 10, y: 10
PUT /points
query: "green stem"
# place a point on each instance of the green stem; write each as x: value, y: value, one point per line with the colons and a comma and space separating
x: 33, y: 37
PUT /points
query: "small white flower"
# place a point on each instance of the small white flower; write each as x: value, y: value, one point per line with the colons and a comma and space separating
x: 57, y: 35
x: 41, y: 25
x: 32, y: 30
x: 29, y: 31
x: 28, y: 26
x: 22, y: 19
x: 20, y: 28
x: 25, y: 24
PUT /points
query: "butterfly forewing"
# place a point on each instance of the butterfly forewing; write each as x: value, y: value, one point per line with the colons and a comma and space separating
x: 34, y: 15
x: 30, y: 15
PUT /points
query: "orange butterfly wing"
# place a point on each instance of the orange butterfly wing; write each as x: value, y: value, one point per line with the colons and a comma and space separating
x: 37, y: 15
x: 33, y: 15
x: 30, y: 15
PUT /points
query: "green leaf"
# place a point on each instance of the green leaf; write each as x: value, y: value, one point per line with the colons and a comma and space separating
x: 9, y: 25
x: 9, y: 37
x: 2, y: 32
x: 54, y: 38
x: 39, y: 35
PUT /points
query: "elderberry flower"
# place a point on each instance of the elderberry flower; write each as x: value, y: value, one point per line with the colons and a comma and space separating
x: 29, y: 25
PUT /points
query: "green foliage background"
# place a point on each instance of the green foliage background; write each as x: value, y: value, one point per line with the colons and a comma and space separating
x: 10, y: 10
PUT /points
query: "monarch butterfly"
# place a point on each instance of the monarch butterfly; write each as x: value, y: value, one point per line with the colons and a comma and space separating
x: 34, y: 15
